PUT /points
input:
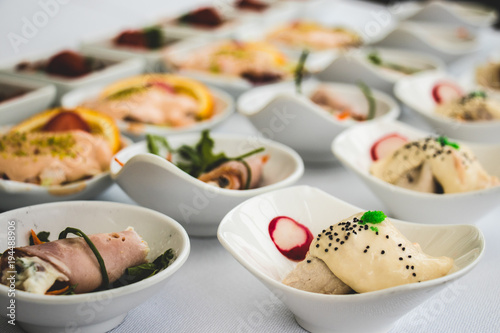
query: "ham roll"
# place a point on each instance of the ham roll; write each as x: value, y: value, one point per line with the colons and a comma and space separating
x: 233, y: 175
x: 70, y: 261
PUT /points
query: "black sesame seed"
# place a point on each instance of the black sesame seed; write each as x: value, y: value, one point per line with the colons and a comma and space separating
x: 412, y: 267
x: 382, y: 252
x: 346, y: 237
x: 317, y: 245
x: 387, y: 236
x: 341, y: 242
x: 407, y: 267
x: 335, y: 234
x: 343, y: 229
x: 409, y: 256
x: 330, y: 237
x: 329, y: 244
x: 403, y: 249
x: 368, y: 246
x: 337, y: 240
x: 317, y: 238
x: 309, y: 261
x: 414, y: 274
x: 376, y: 233
x: 365, y: 251
x: 354, y: 232
x: 326, y: 250
x: 366, y: 227
x: 400, y: 244
x: 400, y: 258
x: 336, y: 248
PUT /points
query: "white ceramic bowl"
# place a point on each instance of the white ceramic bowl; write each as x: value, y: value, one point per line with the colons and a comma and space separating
x: 224, y: 107
x: 282, y: 115
x: 463, y: 13
x: 119, y: 67
x: 38, y: 97
x: 352, y: 148
x: 155, y: 183
x: 244, y: 233
x: 354, y: 66
x: 99, y: 311
x: 416, y: 93
x: 437, y: 39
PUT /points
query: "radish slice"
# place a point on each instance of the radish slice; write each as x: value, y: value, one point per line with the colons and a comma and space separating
x: 386, y: 145
x: 444, y: 92
x: 291, y: 238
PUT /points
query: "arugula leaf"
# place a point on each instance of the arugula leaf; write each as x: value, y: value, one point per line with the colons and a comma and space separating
x: 299, y: 71
x: 141, y: 272
x: 42, y: 235
x: 200, y: 158
x: 367, y: 92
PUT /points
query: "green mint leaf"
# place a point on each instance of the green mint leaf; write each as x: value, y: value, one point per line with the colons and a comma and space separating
x: 373, y: 217
x: 42, y: 235
x: 445, y: 142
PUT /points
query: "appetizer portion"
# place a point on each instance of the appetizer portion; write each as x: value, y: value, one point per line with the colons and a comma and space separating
x: 149, y: 38
x: 251, y: 5
x: 329, y: 100
x: 488, y: 75
x: 314, y: 36
x: 395, y: 66
x: 362, y: 253
x: 58, y: 147
x: 82, y: 264
x: 67, y: 64
x: 256, y: 62
x: 205, y: 17
x: 159, y: 99
x: 214, y: 168
x: 433, y: 165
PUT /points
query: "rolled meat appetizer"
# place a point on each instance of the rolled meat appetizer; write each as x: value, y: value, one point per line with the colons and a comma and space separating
x: 70, y: 261
x: 234, y: 175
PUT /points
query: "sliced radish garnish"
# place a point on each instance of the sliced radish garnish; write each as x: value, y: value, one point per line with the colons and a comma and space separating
x: 291, y: 238
x: 386, y: 145
x: 163, y: 85
x: 443, y: 92
x: 66, y: 121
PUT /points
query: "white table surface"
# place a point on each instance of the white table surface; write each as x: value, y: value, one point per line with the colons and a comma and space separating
x: 212, y: 292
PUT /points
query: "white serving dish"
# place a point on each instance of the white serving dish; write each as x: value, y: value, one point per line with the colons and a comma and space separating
x: 244, y: 233
x: 38, y: 97
x: 103, y: 310
x: 280, y: 114
x: 437, y: 39
x: 156, y: 183
x: 354, y: 66
x: 463, y: 13
x: 416, y: 93
x: 352, y: 148
x: 224, y: 107
x: 120, y: 67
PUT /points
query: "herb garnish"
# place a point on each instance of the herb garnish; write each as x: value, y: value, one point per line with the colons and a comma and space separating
x: 445, y: 142
x: 43, y: 236
x: 375, y: 59
x: 299, y: 71
x: 154, y: 37
x: 78, y: 232
x: 472, y: 95
x: 367, y: 92
x: 199, y: 159
x: 126, y: 92
x: 372, y: 217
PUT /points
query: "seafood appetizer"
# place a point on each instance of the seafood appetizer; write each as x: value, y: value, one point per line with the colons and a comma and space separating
x: 256, y: 62
x: 429, y: 165
x: 58, y: 147
x: 314, y: 36
x: 214, y: 168
x: 82, y: 264
x: 67, y: 63
x: 159, y: 99
x: 362, y: 253
x: 149, y: 38
x: 375, y: 59
x: 453, y: 103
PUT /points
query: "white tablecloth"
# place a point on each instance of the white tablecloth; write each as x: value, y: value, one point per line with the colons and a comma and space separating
x: 212, y: 292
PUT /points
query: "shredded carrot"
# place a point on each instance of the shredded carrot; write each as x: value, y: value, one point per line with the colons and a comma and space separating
x: 36, y: 240
x: 265, y: 158
x: 343, y: 115
x: 118, y: 161
x: 57, y: 292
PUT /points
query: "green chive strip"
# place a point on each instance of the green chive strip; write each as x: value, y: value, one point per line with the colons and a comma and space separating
x: 369, y: 98
x: 78, y: 232
x: 299, y: 70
